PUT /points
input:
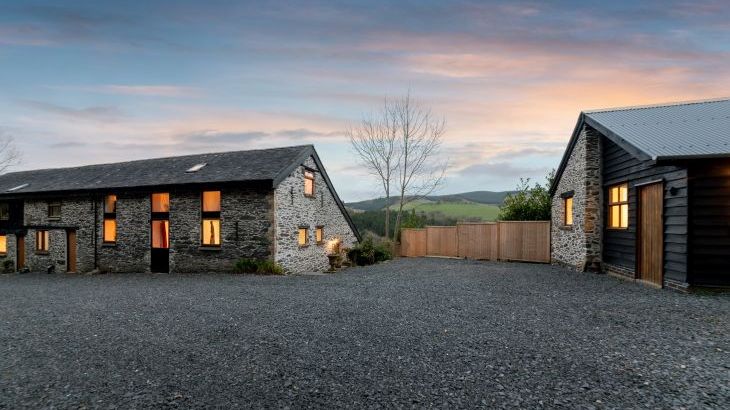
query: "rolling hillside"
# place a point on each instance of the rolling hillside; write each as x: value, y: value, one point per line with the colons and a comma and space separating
x: 479, y: 197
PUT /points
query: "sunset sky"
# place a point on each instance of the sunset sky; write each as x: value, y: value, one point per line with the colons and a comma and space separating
x: 88, y: 82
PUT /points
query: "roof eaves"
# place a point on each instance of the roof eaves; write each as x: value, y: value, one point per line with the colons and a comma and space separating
x: 632, y: 149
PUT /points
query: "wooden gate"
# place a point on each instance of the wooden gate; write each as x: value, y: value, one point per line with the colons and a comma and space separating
x: 527, y: 241
x: 441, y: 241
x: 650, y: 252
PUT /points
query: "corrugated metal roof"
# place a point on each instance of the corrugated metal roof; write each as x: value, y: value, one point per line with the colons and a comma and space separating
x: 678, y: 130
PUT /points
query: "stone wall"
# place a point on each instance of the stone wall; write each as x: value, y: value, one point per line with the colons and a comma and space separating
x: 294, y: 209
x: 579, y: 245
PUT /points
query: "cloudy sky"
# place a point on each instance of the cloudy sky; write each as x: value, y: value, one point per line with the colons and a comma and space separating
x: 91, y: 82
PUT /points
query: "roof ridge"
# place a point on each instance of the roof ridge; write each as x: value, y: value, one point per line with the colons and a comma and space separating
x: 658, y: 105
x: 159, y: 158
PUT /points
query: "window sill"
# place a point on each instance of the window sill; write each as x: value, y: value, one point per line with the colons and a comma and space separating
x: 303, y: 246
x: 618, y: 229
x: 109, y: 245
x: 320, y: 243
x: 41, y: 252
x: 566, y: 228
x: 312, y: 196
x: 3, y: 254
x: 54, y: 218
x: 207, y: 248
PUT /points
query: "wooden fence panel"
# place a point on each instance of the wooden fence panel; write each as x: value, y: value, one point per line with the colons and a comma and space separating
x: 441, y: 241
x: 478, y: 240
x: 527, y: 241
x: 413, y: 242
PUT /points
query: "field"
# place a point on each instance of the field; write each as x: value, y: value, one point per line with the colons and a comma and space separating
x: 458, y: 210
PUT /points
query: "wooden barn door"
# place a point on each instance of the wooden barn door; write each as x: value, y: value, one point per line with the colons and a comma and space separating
x: 71, y: 251
x: 650, y: 247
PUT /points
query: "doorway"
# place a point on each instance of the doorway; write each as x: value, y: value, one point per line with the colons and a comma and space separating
x: 160, y: 233
x: 70, y: 251
x: 20, y: 252
x: 650, y: 238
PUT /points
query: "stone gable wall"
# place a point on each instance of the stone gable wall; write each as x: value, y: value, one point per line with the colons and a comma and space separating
x: 294, y: 209
x: 579, y: 245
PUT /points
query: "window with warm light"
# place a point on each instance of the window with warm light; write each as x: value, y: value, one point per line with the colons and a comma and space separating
x: 3, y: 245
x: 161, y: 234
x: 41, y: 241
x: 4, y: 211
x: 568, y: 208
x: 303, y: 236
x: 161, y: 202
x: 110, y: 219
x: 308, y: 183
x: 319, y: 235
x: 54, y: 210
x: 618, y: 206
x: 210, y: 228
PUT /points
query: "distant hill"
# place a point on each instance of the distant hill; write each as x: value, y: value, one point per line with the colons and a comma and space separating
x: 479, y: 197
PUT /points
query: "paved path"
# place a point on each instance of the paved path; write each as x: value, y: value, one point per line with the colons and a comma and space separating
x: 408, y: 333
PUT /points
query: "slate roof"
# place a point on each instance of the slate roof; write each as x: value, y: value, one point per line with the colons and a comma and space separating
x: 681, y: 130
x: 670, y: 131
x: 238, y: 166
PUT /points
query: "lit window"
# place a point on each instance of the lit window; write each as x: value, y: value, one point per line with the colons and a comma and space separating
x: 4, y: 211
x: 3, y: 244
x: 309, y: 183
x: 41, y: 241
x: 161, y: 202
x: 110, y: 219
x: 54, y: 209
x: 618, y: 206
x: 568, y: 211
x: 110, y: 230
x: 160, y: 234
x: 319, y: 235
x: 212, y: 201
x: 110, y: 204
x: 210, y: 230
x: 303, y: 236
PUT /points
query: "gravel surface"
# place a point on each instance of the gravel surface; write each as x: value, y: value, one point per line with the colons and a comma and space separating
x: 408, y: 333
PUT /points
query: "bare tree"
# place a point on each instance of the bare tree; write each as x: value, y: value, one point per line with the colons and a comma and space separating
x: 375, y: 141
x: 9, y: 154
x: 420, y: 133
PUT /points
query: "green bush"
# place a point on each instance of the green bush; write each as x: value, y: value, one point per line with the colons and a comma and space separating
x: 8, y: 266
x: 528, y: 203
x: 368, y: 253
x: 261, y: 266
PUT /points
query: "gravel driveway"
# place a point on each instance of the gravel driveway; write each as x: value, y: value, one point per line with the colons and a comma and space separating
x: 408, y: 333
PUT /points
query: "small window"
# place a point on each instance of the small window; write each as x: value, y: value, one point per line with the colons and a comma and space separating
x: 4, y: 211
x: 110, y: 204
x: 568, y: 211
x: 212, y: 201
x: 41, y: 241
x: 211, y: 232
x: 54, y: 209
x: 618, y: 206
x: 308, y: 183
x: 319, y: 235
x: 303, y: 236
x: 3, y: 245
x: 196, y: 167
x: 160, y: 234
x: 161, y: 202
x: 110, y: 230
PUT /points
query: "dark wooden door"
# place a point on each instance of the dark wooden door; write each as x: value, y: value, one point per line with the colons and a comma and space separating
x: 71, y: 251
x: 20, y: 251
x: 650, y: 247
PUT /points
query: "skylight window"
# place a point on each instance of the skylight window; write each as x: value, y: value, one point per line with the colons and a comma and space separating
x: 196, y: 167
x: 19, y: 187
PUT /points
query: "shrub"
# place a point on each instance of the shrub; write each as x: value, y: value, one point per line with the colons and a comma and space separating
x: 261, y: 266
x: 8, y: 266
x: 368, y: 253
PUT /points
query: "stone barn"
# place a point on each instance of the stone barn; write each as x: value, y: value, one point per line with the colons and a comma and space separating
x: 196, y: 213
x: 644, y: 192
